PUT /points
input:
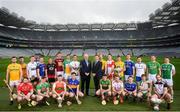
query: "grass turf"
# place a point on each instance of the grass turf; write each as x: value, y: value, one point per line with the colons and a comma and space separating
x: 89, y: 102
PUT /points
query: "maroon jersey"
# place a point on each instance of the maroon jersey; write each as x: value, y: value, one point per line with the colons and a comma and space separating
x: 59, y: 67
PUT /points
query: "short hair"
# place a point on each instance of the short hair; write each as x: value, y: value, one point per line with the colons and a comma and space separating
x: 13, y: 57
x: 128, y: 54
x: 130, y: 77
x: 68, y: 55
x: 73, y: 73
x: 110, y: 54
x: 44, y: 77
x: 143, y: 75
x: 21, y: 57
x: 118, y: 56
x: 74, y: 55
x: 58, y: 53
x: 32, y: 56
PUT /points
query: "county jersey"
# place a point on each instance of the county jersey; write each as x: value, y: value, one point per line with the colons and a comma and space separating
x: 23, y: 66
x: 153, y: 67
x: 14, y: 71
x: 110, y: 65
x: 166, y: 71
x: 118, y: 85
x: 60, y: 86
x: 31, y: 69
x: 130, y: 86
x: 120, y: 65
x: 144, y: 86
x: 51, y: 70
x: 43, y: 87
x: 75, y: 66
x: 103, y: 64
x: 159, y: 87
x: 57, y: 61
x: 41, y: 68
x: 73, y: 85
x: 129, y: 67
x: 140, y: 69
x: 105, y: 83
x: 25, y: 88
x: 67, y: 68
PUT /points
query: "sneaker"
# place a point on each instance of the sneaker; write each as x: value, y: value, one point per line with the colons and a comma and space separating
x: 19, y: 106
x: 79, y: 102
x: 11, y: 102
x: 69, y: 103
x: 171, y: 101
x: 60, y: 105
x: 168, y: 106
x: 29, y: 104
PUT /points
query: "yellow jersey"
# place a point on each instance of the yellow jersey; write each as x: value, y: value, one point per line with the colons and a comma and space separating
x: 23, y: 66
x: 103, y: 64
x: 120, y: 64
x: 14, y: 71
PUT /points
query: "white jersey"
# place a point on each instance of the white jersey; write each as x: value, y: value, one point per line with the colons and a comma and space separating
x: 31, y: 69
x: 110, y: 66
x: 117, y: 85
x: 75, y: 66
x: 159, y: 87
x: 140, y: 69
x: 144, y: 85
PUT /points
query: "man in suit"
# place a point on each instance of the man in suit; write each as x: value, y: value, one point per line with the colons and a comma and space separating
x: 85, y: 71
x: 97, y: 72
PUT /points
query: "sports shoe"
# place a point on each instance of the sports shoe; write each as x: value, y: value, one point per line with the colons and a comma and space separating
x: 69, y: 103
x: 60, y: 105
x: 29, y: 104
x: 11, y: 102
x: 19, y: 106
x: 168, y: 106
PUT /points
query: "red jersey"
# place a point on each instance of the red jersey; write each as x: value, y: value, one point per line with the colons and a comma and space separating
x: 59, y: 87
x: 110, y: 66
x: 25, y: 88
x: 58, y: 67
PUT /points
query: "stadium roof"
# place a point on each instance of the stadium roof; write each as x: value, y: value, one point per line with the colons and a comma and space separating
x: 168, y: 15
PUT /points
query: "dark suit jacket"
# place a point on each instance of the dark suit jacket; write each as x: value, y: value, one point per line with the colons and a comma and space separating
x: 97, y: 68
x: 85, y: 68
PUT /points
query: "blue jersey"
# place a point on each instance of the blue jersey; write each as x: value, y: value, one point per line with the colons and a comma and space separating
x: 73, y: 85
x: 129, y: 67
x: 41, y: 68
x: 130, y: 87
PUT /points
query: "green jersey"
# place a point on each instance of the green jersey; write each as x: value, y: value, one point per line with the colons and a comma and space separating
x: 105, y: 83
x: 43, y: 87
x: 153, y: 67
x: 166, y: 70
x: 67, y: 66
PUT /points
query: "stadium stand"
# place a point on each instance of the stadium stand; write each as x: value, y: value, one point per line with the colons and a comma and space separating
x: 159, y: 35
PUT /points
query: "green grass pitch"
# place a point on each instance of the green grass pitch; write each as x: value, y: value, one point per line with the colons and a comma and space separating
x: 89, y: 103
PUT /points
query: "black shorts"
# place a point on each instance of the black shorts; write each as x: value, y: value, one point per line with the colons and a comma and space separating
x: 50, y: 80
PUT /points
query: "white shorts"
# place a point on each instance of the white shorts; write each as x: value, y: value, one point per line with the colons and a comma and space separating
x: 152, y: 77
x: 14, y: 83
x: 169, y: 82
